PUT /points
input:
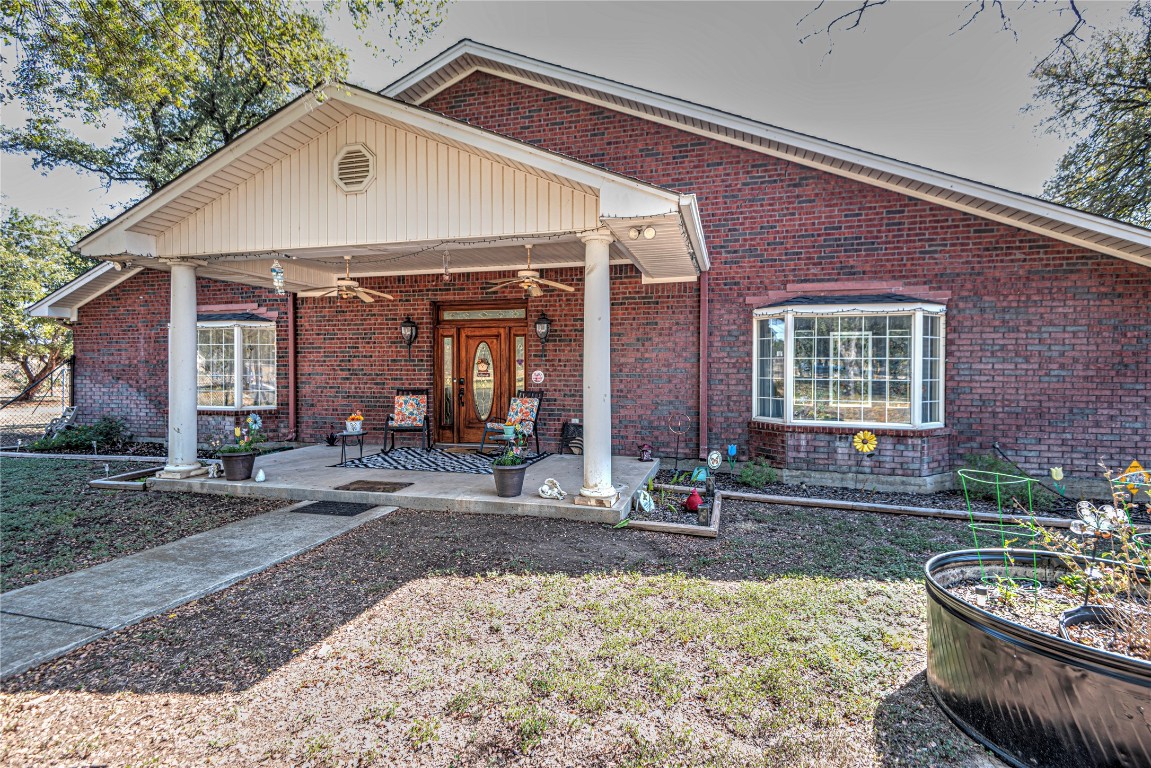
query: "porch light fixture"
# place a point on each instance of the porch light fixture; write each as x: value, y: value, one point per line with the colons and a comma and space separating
x: 409, y: 330
x: 647, y: 232
x: 543, y: 328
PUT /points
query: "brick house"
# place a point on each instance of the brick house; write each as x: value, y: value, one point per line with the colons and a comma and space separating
x: 758, y: 286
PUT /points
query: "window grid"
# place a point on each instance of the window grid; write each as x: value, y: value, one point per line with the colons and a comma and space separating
x: 931, y: 396
x: 850, y: 368
x: 221, y: 351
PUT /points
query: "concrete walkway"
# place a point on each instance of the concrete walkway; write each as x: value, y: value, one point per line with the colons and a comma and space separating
x: 46, y: 620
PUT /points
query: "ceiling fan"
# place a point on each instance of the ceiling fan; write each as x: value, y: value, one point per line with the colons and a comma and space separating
x: 347, y: 288
x: 529, y: 279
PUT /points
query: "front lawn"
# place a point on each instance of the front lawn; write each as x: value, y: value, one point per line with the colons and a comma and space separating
x: 52, y: 522
x: 435, y: 639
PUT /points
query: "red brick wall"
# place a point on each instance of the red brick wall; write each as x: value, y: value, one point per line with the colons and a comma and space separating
x: 1047, y: 343
x: 121, y: 343
x: 350, y: 355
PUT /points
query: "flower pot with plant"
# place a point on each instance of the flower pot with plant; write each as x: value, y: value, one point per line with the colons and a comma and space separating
x: 510, y: 466
x: 239, y: 456
x: 355, y: 422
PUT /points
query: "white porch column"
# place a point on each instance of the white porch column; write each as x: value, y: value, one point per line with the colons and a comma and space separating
x: 182, y: 460
x: 597, y: 489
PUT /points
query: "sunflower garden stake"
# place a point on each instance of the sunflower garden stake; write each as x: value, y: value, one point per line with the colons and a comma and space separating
x: 865, y: 442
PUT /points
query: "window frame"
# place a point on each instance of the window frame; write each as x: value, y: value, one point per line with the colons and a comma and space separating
x: 916, y: 310
x: 238, y: 364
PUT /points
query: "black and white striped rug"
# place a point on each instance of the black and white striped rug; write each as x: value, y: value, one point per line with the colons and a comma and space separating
x: 435, y: 460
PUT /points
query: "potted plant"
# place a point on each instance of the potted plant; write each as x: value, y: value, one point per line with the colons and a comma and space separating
x: 238, y: 457
x: 355, y: 422
x: 1044, y: 657
x: 510, y: 466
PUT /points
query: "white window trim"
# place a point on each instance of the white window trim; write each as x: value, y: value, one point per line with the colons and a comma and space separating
x: 238, y: 366
x: 915, y: 309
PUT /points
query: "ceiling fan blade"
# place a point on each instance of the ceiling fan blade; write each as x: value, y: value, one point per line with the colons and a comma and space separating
x: 381, y: 294
x: 501, y: 284
x: 316, y: 292
x: 554, y: 284
x: 363, y: 296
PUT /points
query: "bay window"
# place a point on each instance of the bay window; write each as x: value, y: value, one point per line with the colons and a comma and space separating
x: 235, y: 365
x: 857, y: 363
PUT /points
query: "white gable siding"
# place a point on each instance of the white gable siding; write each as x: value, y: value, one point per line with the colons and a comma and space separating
x: 424, y: 190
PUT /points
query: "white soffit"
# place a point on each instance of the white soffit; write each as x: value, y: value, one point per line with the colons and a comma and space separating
x: 65, y: 301
x: 1096, y: 233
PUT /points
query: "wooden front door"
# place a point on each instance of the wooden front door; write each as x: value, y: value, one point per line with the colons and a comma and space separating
x: 483, y: 395
x: 480, y: 361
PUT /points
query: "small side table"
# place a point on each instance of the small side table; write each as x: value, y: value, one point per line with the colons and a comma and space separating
x: 344, y: 436
x: 569, y: 432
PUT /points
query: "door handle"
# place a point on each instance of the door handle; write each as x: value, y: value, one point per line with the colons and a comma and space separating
x: 461, y: 388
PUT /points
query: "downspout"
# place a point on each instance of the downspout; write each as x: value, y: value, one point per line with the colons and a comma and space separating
x: 292, y: 366
x: 703, y: 398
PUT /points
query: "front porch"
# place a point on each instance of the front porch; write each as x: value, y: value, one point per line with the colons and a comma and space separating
x: 308, y: 474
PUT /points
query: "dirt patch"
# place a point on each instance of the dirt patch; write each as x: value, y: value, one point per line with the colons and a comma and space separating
x: 436, y: 639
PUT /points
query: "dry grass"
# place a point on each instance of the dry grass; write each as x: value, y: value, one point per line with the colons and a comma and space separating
x: 449, y: 640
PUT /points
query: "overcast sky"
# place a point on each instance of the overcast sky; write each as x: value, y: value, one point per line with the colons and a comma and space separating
x: 908, y: 83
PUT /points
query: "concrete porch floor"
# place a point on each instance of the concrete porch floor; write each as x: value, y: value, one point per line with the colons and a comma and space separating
x: 308, y: 474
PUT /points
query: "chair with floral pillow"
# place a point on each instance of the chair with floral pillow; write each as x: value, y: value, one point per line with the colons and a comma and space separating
x: 523, y: 410
x: 409, y: 414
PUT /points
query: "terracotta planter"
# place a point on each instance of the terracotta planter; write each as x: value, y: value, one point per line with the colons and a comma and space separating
x: 509, y: 480
x: 1031, y: 698
x: 238, y: 466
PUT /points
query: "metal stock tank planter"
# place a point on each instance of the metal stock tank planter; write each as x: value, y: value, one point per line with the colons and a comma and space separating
x: 1032, y: 698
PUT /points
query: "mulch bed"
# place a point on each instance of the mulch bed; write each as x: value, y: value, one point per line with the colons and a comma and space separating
x: 948, y: 500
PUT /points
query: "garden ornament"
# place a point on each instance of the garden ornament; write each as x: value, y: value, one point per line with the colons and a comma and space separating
x: 1096, y: 521
x: 865, y: 441
x: 551, y: 490
x: 699, y: 475
x: 714, y: 460
x: 731, y: 451
x: 645, y: 452
x: 213, y: 471
x: 644, y: 502
x: 260, y: 476
x: 693, y: 501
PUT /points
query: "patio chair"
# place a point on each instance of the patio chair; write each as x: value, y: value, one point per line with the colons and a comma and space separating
x: 524, y: 410
x: 410, y: 414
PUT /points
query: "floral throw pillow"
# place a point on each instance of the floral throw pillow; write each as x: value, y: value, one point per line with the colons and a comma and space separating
x: 410, y: 410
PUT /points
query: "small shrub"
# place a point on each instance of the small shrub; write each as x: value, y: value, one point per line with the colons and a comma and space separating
x: 758, y: 473
x: 108, y: 433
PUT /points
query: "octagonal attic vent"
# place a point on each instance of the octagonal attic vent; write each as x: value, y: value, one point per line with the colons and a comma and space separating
x: 354, y: 168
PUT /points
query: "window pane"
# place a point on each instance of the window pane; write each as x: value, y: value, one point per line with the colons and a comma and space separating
x: 769, y: 370
x: 854, y: 368
x: 521, y: 361
x: 447, y: 416
x: 215, y: 367
x: 931, y: 402
x: 259, y: 359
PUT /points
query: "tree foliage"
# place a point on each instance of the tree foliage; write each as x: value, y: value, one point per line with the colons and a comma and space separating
x: 183, y: 77
x: 34, y: 261
x: 1101, y: 93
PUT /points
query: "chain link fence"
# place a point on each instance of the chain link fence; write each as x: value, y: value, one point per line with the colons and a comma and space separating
x: 26, y: 411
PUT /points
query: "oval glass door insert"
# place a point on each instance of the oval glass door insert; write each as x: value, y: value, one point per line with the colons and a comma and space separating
x: 483, y: 379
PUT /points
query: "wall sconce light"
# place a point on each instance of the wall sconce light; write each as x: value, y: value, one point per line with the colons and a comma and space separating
x: 647, y: 232
x: 409, y: 330
x: 543, y: 328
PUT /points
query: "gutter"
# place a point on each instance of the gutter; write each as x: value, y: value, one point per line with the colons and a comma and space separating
x: 704, y: 324
x: 291, y: 367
